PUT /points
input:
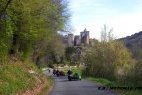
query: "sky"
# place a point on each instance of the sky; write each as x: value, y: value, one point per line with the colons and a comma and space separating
x: 124, y: 16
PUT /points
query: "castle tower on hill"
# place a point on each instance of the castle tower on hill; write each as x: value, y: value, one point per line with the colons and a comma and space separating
x: 70, y: 40
x: 85, y: 37
x: 77, y: 40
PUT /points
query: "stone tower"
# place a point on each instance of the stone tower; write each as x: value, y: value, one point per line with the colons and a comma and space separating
x: 77, y: 40
x: 70, y: 40
x: 85, y: 37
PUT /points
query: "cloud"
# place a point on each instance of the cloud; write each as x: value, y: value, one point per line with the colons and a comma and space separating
x: 127, y: 24
x: 93, y: 14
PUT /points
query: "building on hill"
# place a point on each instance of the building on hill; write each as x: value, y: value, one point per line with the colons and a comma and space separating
x: 85, y: 37
x: 70, y: 40
x: 77, y: 40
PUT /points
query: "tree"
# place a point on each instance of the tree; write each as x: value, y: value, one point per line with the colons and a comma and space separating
x: 27, y: 26
x: 106, y: 34
x: 73, y: 55
x: 108, y: 59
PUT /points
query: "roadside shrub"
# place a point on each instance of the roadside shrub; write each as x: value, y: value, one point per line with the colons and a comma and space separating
x: 109, y: 60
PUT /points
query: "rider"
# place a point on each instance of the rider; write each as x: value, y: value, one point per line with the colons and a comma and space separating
x: 54, y: 72
x: 69, y: 74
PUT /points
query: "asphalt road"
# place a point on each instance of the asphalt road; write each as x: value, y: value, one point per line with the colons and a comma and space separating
x: 84, y: 87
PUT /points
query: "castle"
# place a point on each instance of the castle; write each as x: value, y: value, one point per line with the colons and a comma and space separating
x: 83, y: 39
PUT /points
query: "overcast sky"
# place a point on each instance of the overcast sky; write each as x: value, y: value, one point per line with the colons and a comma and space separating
x: 124, y: 16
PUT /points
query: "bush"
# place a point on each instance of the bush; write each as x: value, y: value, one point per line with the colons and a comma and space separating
x: 109, y: 60
x: 134, y: 77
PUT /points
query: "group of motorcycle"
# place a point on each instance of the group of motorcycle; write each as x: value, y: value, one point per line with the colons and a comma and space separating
x: 58, y: 73
x: 71, y: 76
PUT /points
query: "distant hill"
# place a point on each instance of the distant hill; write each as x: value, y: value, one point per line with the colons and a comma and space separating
x: 134, y: 43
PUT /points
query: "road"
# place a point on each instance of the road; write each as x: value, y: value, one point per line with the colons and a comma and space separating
x: 84, y: 87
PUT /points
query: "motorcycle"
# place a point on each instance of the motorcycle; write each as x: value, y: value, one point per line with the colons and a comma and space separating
x: 75, y: 76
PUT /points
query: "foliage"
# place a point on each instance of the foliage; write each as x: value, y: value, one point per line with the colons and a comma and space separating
x: 134, y: 77
x: 15, y: 77
x: 107, y: 59
x: 55, y: 51
x: 110, y: 59
x: 69, y: 52
x: 134, y: 43
x: 73, y: 55
x: 106, y: 35
x: 26, y: 26
x: 27, y: 30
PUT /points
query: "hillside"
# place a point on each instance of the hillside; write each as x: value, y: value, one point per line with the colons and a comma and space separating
x: 134, y: 43
x: 20, y: 78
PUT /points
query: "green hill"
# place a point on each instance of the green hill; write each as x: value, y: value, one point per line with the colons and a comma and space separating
x: 134, y: 44
x: 19, y: 77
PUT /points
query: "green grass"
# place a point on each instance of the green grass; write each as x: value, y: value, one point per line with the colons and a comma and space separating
x: 15, y: 77
x: 102, y: 81
x: 108, y: 83
x: 48, y: 86
x: 132, y: 92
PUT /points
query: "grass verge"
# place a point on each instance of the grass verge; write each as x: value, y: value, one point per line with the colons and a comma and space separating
x: 132, y: 92
x: 101, y: 81
x: 108, y: 83
x: 15, y: 77
x: 48, y: 86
